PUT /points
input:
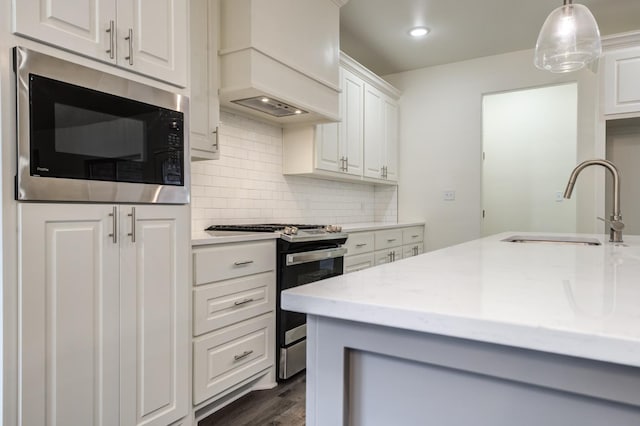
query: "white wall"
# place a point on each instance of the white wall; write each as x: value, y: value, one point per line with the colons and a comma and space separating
x: 528, y: 143
x: 440, y: 140
x: 246, y: 185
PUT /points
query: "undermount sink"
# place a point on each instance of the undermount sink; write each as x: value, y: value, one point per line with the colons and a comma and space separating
x: 552, y: 239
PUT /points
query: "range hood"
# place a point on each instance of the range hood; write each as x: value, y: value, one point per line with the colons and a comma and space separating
x: 279, y: 59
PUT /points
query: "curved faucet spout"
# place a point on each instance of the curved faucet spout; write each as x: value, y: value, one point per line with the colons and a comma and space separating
x: 615, y: 222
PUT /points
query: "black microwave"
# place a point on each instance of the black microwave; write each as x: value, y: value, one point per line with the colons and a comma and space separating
x: 85, y: 135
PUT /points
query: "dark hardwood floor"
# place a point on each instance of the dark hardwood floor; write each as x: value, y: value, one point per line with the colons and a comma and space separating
x: 283, y: 405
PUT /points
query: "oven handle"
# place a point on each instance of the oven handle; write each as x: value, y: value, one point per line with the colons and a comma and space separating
x: 313, y: 256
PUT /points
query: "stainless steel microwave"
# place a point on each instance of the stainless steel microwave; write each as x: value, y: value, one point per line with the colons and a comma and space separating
x: 85, y: 135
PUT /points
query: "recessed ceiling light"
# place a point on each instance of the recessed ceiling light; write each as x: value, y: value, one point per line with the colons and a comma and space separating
x: 265, y: 100
x: 419, y: 31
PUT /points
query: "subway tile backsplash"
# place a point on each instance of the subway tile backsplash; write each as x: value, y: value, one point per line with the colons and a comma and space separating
x: 246, y: 185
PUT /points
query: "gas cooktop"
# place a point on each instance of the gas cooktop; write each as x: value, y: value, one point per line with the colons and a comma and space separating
x: 288, y: 232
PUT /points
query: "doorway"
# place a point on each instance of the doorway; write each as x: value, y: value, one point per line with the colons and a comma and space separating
x: 529, y: 142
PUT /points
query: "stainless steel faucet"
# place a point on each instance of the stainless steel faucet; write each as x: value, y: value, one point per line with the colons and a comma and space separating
x: 615, y: 220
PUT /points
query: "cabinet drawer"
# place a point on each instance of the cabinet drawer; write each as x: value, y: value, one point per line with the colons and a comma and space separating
x: 415, y: 234
x: 227, y: 302
x: 387, y: 256
x: 358, y: 262
x: 226, y: 357
x: 222, y: 262
x: 412, y: 250
x: 388, y: 238
x: 359, y: 242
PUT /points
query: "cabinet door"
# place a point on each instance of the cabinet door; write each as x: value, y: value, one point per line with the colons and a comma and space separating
x: 373, y: 132
x: 82, y: 26
x: 328, y: 153
x: 69, y: 344
x: 152, y: 38
x: 390, y: 152
x: 622, y: 85
x: 351, y: 129
x: 204, y: 101
x: 358, y: 262
x: 154, y: 314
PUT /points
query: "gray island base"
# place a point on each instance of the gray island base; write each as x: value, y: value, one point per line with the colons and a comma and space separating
x: 362, y: 374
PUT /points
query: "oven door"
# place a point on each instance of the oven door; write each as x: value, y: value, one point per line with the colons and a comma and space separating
x: 298, y: 269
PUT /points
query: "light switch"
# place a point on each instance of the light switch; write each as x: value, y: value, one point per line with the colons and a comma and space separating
x: 449, y: 195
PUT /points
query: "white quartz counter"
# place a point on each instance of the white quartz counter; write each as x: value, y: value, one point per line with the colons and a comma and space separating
x: 375, y: 226
x: 202, y: 238
x: 568, y: 299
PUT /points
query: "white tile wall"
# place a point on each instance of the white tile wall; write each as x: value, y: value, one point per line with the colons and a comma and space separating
x: 246, y: 185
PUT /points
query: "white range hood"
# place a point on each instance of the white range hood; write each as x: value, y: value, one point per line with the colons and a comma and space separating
x: 279, y: 59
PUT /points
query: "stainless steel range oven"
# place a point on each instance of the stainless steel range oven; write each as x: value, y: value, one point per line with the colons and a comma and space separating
x: 305, y: 254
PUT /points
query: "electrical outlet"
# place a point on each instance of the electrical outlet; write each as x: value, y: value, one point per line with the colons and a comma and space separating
x: 559, y: 196
x: 449, y: 195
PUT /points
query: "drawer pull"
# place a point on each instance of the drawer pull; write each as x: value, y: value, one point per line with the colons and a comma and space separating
x: 415, y: 236
x: 243, y: 262
x: 361, y: 245
x: 242, y: 355
x: 243, y: 302
x: 391, y: 240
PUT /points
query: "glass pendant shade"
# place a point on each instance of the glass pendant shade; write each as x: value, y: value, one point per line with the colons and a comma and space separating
x: 569, y: 40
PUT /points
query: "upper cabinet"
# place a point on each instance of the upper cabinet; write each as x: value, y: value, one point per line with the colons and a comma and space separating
x: 622, y: 81
x: 279, y: 59
x: 204, y: 108
x: 363, y: 146
x: 145, y: 36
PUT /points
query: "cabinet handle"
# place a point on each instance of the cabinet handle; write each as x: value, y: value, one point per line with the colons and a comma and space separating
x: 129, y: 38
x: 346, y: 164
x: 132, y: 215
x: 215, y: 145
x: 114, y: 217
x: 361, y: 245
x: 243, y: 302
x: 242, y: 355
x: 243, y: 262
x: 415, y: 236
x: 111, y: 31
x: 391, y: 240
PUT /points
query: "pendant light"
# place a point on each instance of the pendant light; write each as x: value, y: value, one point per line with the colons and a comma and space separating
x: 569, y: 39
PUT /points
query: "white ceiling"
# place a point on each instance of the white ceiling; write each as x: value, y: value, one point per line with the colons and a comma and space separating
x: 374, y: 32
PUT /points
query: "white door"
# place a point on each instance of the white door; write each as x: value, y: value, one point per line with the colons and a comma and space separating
x: 69, y: 344
x: 154, y: 314
x: 351, y: 130
x: 82, y: 26
x: 152, y: 38
x: 373, y: 132
x: 390, y: 160
x: 328, y: 155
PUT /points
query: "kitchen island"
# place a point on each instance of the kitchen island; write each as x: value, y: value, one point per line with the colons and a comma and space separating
x: 483, y: 333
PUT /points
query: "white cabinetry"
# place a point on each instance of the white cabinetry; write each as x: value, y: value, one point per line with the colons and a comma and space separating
x: 622, y: 81
x: 375, y: 247
x: 233, y: 318
x: 104, y: 314
x: 363, y: 146
x: 145, y: 36
x: 204, y: 107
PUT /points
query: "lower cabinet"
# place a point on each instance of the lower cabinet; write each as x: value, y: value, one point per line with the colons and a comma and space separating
x: 376, y: 247
x: 233, y: 317
x: 104, y: 318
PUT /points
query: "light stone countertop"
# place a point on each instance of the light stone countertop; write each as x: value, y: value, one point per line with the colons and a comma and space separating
x: 573, y: 300
x: 203, y: 238
x: 375, y: 226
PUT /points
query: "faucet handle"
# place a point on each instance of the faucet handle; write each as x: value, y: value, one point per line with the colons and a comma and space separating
x: 616, y: 225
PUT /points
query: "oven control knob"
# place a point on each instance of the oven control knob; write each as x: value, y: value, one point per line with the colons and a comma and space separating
x: 338, y: 228
x: 290, y: 230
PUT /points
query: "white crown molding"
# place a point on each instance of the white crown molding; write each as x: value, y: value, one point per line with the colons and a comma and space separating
x: 620, y: 41
x: 368, y: 76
